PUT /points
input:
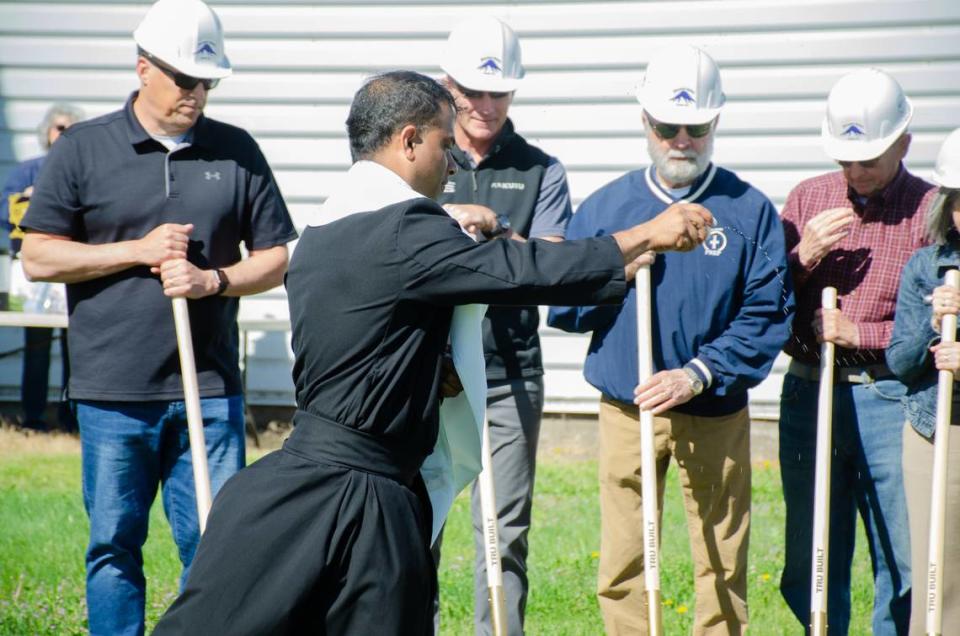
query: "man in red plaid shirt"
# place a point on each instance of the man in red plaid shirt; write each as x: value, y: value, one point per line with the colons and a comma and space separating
x: 853, y: 230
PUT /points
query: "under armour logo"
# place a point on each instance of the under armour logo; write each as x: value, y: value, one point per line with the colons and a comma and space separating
x: 209, y: 176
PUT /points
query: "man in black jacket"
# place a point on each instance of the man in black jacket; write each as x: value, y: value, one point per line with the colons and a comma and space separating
x: 332, y: 533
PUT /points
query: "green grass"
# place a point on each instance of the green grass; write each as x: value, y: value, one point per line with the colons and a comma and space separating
x: 43, y: 534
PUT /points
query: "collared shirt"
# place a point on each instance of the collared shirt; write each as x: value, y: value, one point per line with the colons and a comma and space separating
x: 366, y: 186
x: 864, y: 266
x: 553, y: 207
x: 105, y: 181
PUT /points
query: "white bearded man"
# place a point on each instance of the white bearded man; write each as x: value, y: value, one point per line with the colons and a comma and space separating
x: 721, y: 315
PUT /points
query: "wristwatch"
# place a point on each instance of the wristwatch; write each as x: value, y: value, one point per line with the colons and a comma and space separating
x: 222, y: 281
x: 503, y: 226
x: 696, y: 384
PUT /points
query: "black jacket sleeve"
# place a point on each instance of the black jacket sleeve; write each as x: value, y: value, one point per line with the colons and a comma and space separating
x: 449, y: 268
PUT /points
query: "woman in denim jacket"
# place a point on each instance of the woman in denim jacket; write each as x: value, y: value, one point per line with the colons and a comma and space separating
x: 915, y: 355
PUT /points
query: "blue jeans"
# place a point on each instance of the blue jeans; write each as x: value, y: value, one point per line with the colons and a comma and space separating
x: 129, y: 448
x: 866, y: 475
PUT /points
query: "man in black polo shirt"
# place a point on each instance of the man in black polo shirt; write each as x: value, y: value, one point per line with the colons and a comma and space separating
x: 135, y: 207
x: 508, y: 186
x: 331, y: 534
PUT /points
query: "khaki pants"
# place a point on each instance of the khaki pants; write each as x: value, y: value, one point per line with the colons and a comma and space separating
x: 917, y: 482
x: 713, y: 454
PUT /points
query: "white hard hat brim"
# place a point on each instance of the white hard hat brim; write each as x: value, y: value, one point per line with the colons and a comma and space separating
x: 683, y: 117
x: 207, y: 72
x: 203, y: 71
x: 856, y: 150
x: 476, y: 81
x: 946, y: 171
x: 946, y: 181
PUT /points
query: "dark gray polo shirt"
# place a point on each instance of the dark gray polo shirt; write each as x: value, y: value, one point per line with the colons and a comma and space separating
x: 106, y: 180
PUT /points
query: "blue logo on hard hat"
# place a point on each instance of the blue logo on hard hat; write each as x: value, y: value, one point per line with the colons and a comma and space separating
x: 490, y: 66
x: 684, y: 97
x: 206, y: 49
x: 853, y: 130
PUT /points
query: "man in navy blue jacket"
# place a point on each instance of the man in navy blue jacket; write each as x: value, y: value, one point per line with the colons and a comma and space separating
x: 721, y: 315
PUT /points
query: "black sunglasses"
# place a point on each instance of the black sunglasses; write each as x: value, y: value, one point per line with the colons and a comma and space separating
x: 669, y: 131
x: 186, y: 82
x: 60, y: 127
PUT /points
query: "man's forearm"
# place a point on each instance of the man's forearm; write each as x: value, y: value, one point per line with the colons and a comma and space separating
x: 262, y: 270
x: 633, y: 242
x: 58, y: 259
x: 680, y: 227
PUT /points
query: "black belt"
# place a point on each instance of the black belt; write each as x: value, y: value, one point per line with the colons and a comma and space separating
x: 325, y: 441
x: 852, y: 375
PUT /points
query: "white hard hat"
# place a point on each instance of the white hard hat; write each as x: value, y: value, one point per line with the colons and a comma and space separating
x: 947, y: 171
x: 866, y: 112
x: 483, y: 54
x: 186, y: 35
x: 681, y: 86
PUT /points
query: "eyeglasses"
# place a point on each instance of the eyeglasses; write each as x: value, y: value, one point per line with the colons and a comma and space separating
x: 186, y: 82
x: 60, y: 127
x: 669, y: 131
x: 866, y: 165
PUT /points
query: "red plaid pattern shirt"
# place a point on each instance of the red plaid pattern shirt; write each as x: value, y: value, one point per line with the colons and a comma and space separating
x: 864, y: 266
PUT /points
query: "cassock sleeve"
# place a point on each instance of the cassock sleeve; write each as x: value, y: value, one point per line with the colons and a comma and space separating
x: 451, y: 269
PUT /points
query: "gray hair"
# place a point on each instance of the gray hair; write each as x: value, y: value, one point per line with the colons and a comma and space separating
x: 940, y: 215
x: 60, y: 109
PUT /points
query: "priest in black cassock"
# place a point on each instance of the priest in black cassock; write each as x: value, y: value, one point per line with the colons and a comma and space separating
x: 331, y: 534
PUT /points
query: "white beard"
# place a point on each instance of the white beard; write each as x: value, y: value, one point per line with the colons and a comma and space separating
x: 680, y: 167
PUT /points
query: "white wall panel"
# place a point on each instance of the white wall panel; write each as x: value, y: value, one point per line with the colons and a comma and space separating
x: 612, y: 51
x: 298, y: 63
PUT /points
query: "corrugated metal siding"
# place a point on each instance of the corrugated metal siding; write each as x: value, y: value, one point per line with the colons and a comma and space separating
x: 298, y: 63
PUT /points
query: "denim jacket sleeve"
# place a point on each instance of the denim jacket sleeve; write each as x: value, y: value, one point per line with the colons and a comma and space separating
x: 908, y: 354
